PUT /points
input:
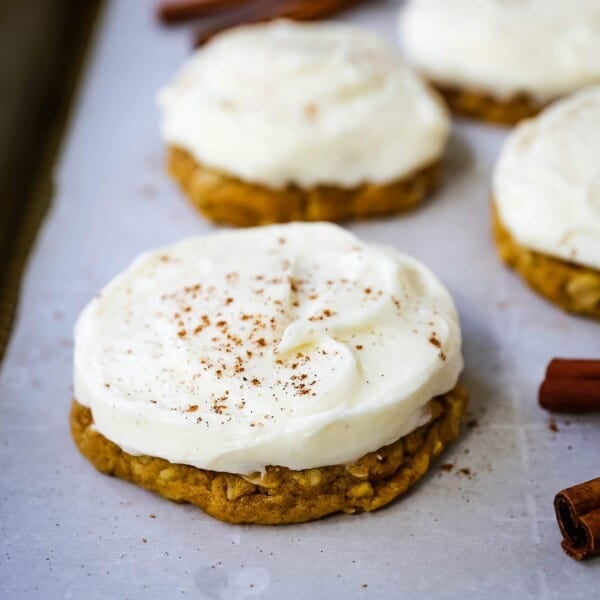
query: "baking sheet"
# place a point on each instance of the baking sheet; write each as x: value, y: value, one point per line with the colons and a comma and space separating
x: 68, y: 532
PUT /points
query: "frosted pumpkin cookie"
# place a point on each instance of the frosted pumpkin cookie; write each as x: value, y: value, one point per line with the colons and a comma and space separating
x: 270, y: 375
x: 499, y: 60
x: 547, y: 202
x: 287, y: 121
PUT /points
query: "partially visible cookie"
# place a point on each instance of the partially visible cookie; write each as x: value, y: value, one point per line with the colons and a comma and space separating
x: 280, y: 495
x: 573, y: 287
x: 547, y: 202
x: 297, y: 351
x: 503, y: 61
x: 288, y: 121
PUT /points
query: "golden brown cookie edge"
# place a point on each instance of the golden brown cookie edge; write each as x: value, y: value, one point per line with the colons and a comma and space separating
x: 574, y: 288
x: 281, y: 495
x: 224, y: 198
x: 475, y: 104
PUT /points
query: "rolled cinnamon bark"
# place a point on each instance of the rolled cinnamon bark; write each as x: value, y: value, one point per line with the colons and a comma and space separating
x: 567, y: 368
x: 252, y: 12
x: 267, y: 10
x: 570, y: 395
x: 176, y: 11
x: 571, y: 386
x: 578, y: 514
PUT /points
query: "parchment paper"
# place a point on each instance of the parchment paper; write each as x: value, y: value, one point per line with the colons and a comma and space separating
x: 68, y: 532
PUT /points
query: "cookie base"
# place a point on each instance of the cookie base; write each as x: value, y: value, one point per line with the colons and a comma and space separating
x: 223, y: 198
x: 574, y: 288
x: 485, y: 107
x: 281, y: 495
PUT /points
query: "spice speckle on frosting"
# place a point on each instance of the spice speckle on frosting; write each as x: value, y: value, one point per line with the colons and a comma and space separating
x: 262, y: 332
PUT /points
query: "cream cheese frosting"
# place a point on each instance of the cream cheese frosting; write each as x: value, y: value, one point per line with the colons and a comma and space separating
x: 544, y: 48
x: 296, y: 345
x: 547, y: 180
x: 306, y: 104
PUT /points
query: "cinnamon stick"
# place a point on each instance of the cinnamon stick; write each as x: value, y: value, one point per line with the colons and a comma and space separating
x: 578, y: 514
x: 267, y: 10
x: 570, y: 395
x: 176, y: 11
x: 565, y: 368
x: 571, y: 386
x: 309, y: 10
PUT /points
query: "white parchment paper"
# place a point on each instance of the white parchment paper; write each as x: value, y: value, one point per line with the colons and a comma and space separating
x: 68, y: 532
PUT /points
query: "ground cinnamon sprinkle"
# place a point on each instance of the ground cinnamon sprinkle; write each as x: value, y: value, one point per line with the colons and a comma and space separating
x: 229, y: 331
x: 311, y: 111
x: 434, y: 341
x: 325, y: 314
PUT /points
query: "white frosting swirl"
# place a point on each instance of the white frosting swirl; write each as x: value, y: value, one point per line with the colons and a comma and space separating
x: 295, y: 345
x: 545, y: 48
x: 547, y: 180
x: 306, y: 104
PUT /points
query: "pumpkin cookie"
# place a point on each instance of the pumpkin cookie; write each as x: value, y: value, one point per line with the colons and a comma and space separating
x: 287, y: 121
x: 503, y: 61
x: 547, y: 203
x: 318, y: 376
x: 280, y: 495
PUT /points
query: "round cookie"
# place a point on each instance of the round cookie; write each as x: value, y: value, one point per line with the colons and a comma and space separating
x: 286, y: 122
x: 319, y: 376
x: 546, y: 196
x: 503, y: 61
